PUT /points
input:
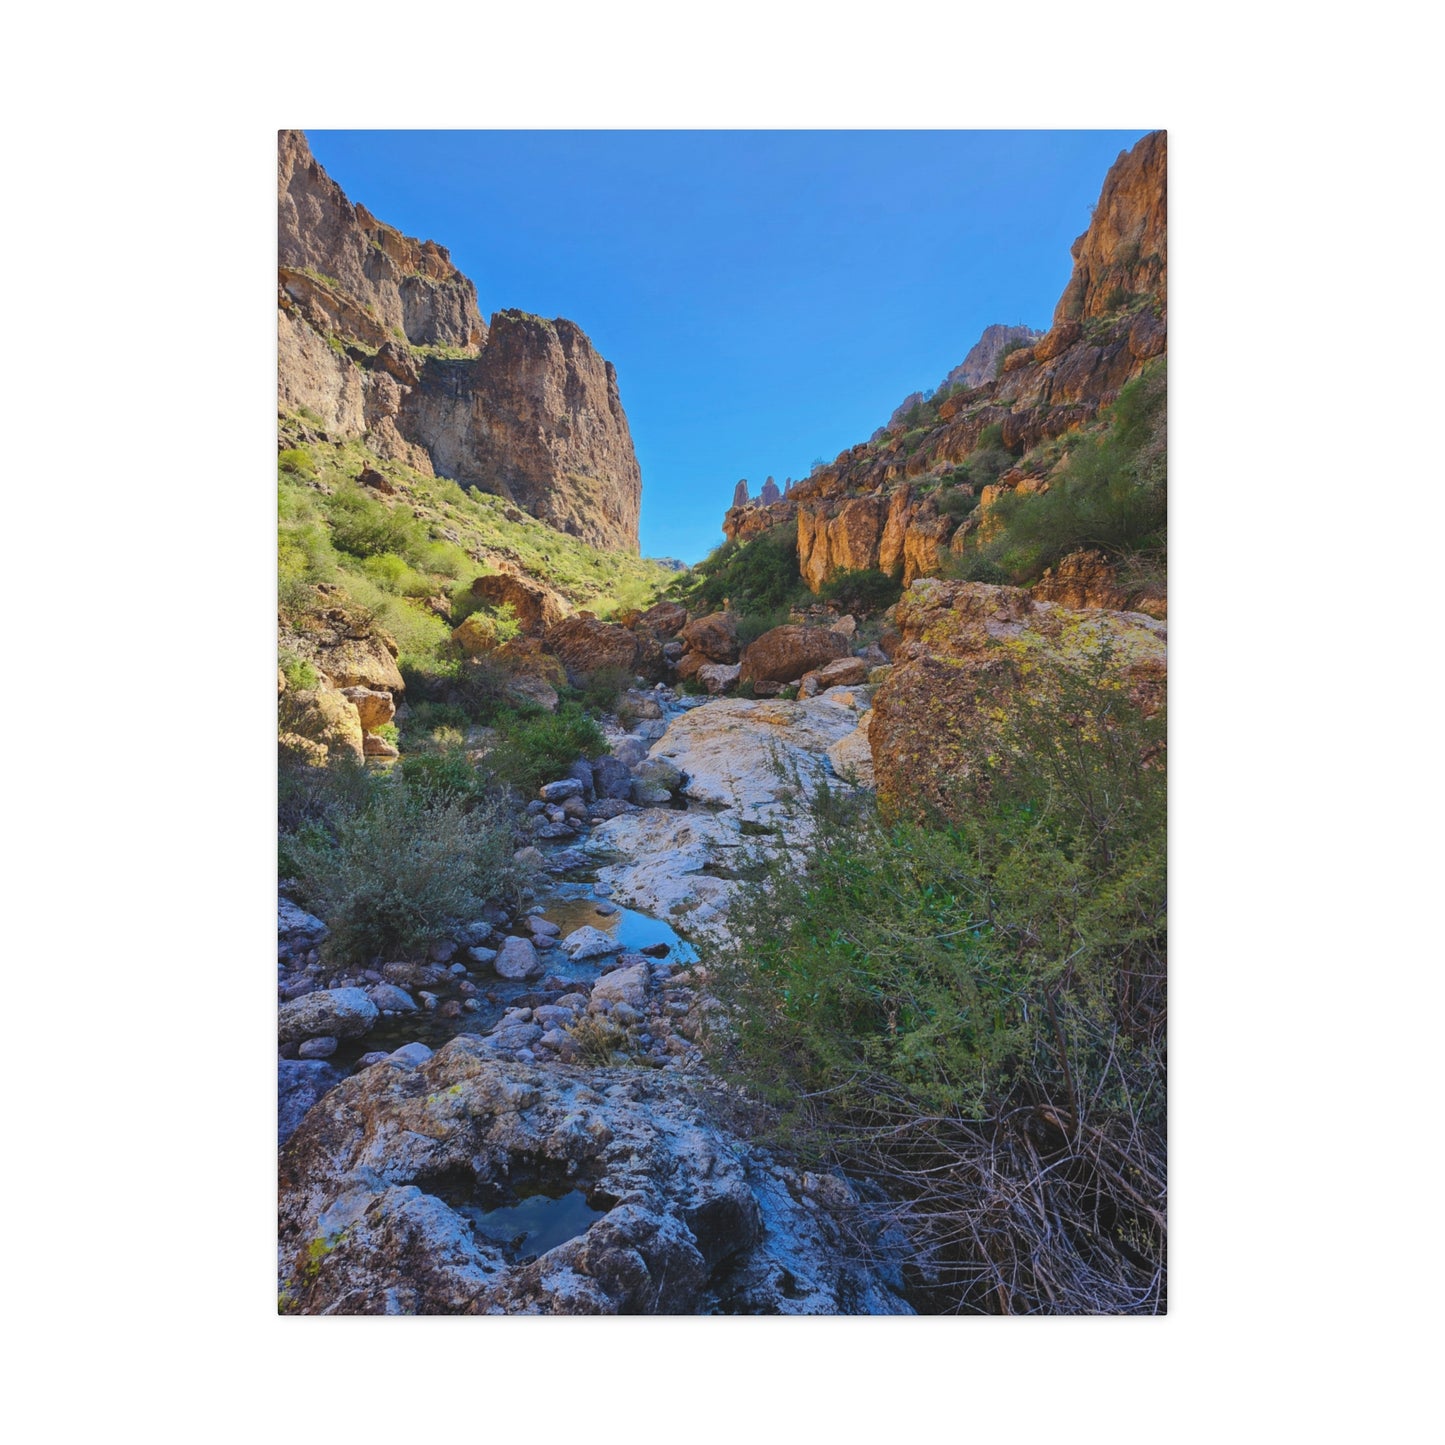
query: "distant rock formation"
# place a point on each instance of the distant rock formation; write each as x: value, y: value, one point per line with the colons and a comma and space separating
x: 770, y: 493
x: 740, y: 494
x: 981, y: 363
x: 380, y: 338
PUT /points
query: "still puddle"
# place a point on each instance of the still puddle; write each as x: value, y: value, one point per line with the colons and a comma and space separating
x: 534, y: 1224
x: 574, y: 905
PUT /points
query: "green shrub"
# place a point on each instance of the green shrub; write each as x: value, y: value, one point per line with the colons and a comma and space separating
x: 365, y: 527
x: 298, y: 672
x: 972, y: 1009
x: 445, y: 773
x: 392, y: 877
x: 752, y: 625
x: 760, y: 576
x: 297, y: 462
x: 864, y: 591
x: 601, y: 689
x: 535, y: 748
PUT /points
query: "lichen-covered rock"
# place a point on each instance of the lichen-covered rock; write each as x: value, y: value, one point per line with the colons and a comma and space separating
x: 375, y: 707
x: 968, y: 648
x: 295, y: 928
x: 785, y: 653
x: 385, y: 1185
x: 665, y: 619
x: 588, y: 942
x: 718, y: 677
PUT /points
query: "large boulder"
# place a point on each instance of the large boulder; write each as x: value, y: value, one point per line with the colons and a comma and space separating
x: 715, y: 636
x: 346, y: 646
x: 295, y: 928
x: 325, y: 718
x: 584, y: 645
x: 786, y: 653
x: 535, y: 605
x: 641, y: 1199
x: 373, y: 706
x: 343, y: 1013
x: 664, y: 619
x: 967, y: 651
x: 845, y: 672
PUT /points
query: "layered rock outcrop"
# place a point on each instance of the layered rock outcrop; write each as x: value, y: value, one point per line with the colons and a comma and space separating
x: 380, y: 338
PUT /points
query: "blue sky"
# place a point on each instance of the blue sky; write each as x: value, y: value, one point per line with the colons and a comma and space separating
x: 768, y: 297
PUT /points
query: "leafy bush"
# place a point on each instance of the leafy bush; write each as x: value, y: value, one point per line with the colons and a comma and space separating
x: 602, y: 688
x: 392, y: 876
x: 297, y: 461
x: 535, y: 748
x: 299, y: 673
x: 1111, y: 496
x: 752, y: 625
x: 864, y: 591
x: 760, y: 576
x: 973, y: 1010
x: 365, y: 527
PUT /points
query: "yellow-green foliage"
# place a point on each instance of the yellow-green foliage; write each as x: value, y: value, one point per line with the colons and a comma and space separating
x: 426, y: 540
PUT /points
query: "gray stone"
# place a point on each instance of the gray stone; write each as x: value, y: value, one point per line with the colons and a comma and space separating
x: 582, y: 772
x: 391, y: 999
x: 517, y: 959
x: 629, y: 750
x: 613, y: 807
x: 622, y: 985
x: 483, y: 955
x: 367, y: 1061
x: 320, y: 1048
x: 345, y: 1013
x: 605, y: 910
x: 443, y: 951
x: 543, y: 926
x: 588, y: 942
x: 295, y: 928
x: 613, y: 777
x: 408, y: 1056
x: 659, y: 772
x: 299, y: 1084
x: 562, y: 789
x: 650, y: 795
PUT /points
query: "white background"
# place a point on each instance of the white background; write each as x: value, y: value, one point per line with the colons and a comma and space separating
x: 1305, y: 389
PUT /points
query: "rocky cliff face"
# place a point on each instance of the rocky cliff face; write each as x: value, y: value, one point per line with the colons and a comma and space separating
x: 868, y: 507
x: 981, y: 363
x: 525, y: 409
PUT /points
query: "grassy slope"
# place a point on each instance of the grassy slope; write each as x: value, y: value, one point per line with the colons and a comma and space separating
x: 427, y: 540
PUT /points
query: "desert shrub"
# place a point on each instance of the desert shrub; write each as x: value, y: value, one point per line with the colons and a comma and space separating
x: 444, y: 773
x: 364, y: 527
x: 760, y: 576
x: 299, y: 673
x: 600, y: 690
x: 534, y: 748
x: 752, y: 625
x: 863, y: 591
x: 971, y: 1008
x: 391, y: 877
x: 953, y: 502
x: 297, y: 462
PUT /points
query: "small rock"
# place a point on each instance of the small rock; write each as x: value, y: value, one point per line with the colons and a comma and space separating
x: 408, y: 1056
x: 605, y: 910
x: 517, y: 959
x: 391, y: 999
x: 562, y: 789
x: 483, y: 955
x: 367, y: 1061
x: 429, y: 1001
x: 589, y: 942
x: 320, y: 1048
x: 443, y: 951
x: 655, y: 950
x: 544, y: 927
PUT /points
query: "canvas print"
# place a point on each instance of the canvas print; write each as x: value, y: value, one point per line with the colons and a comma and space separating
x: 721, y: 595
